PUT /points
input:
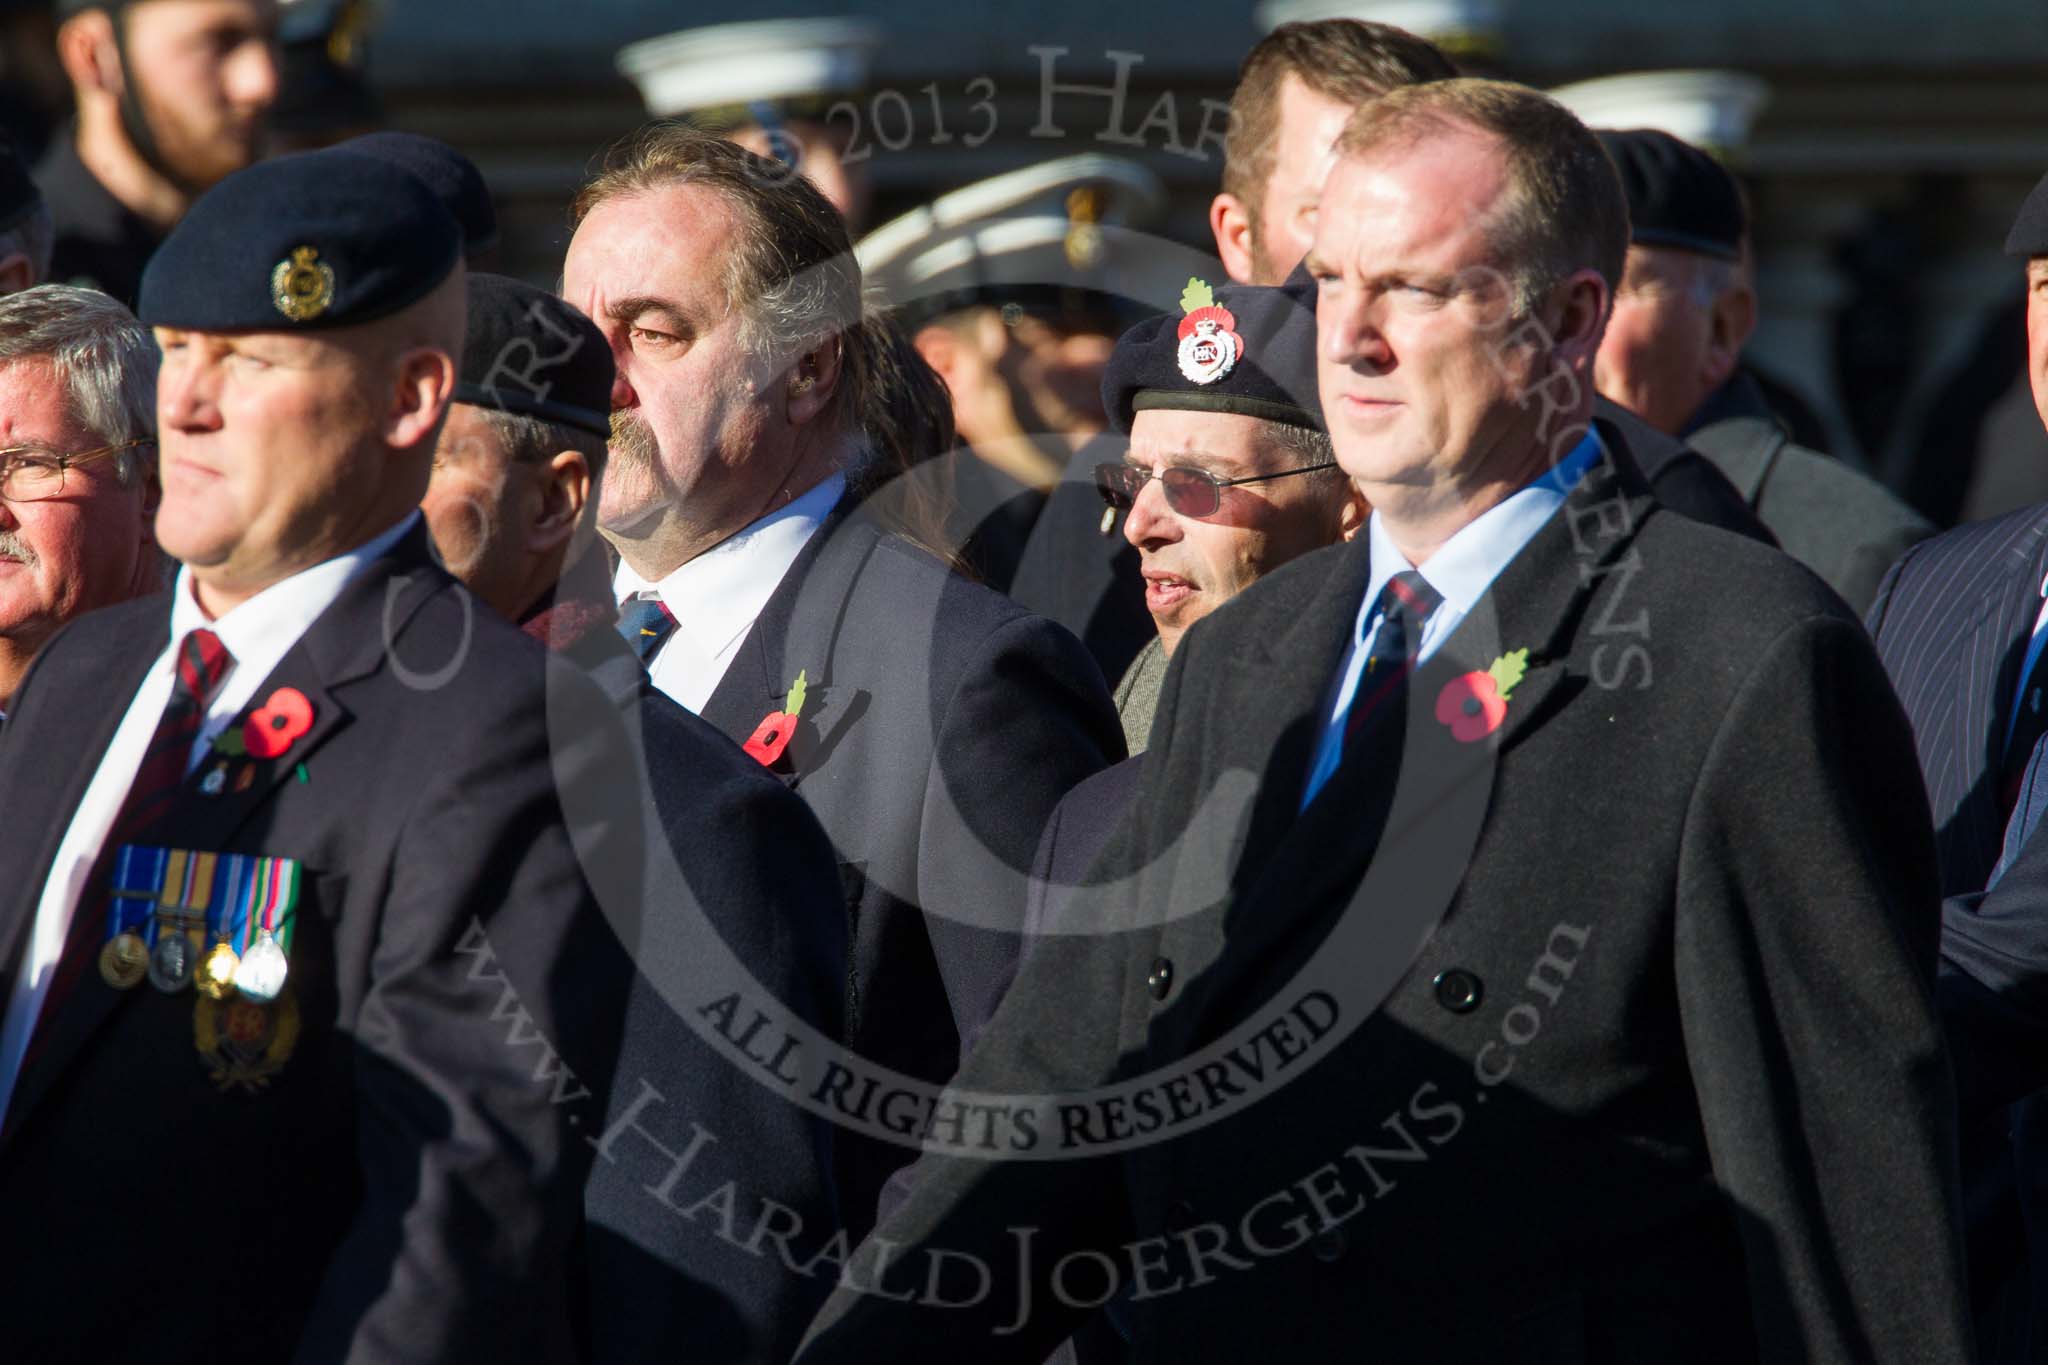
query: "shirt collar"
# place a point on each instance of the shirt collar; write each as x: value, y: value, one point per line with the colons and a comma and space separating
x: 265, y: 627
x: 717, y: 595
x: 1464, y: 566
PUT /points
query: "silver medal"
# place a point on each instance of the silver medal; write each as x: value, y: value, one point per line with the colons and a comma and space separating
x: 170, y: 962
x: 261, y: 972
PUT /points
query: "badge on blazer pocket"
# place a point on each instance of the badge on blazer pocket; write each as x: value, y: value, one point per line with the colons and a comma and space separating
x: 243, y: 1043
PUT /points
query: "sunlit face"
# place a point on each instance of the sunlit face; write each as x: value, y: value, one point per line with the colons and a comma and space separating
x: 1308, y: 128
x: 89, y: 546
x: 1653, y: 357
x: 2037, y: 333
x: 206, y: 74
x: 1419, y: 379
x: 475, y: 506
x: 1194, y: 565
x: 689, y: 405
x: 271, y: 460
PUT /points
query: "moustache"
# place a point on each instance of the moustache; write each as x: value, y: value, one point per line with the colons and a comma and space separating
x: 12, y: 546
x: 631, y: 437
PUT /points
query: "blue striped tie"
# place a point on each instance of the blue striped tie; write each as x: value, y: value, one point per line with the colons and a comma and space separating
x: 645, y: 621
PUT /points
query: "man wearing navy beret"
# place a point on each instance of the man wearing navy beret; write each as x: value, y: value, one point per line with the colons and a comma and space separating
x: 1962, y: 624
x: 1672, y: 355
x: 307, y: 992
x: 513, y: 509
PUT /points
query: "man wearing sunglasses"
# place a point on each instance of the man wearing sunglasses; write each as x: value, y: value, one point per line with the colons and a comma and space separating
x: 77, y: 466
x: 1245, y: 477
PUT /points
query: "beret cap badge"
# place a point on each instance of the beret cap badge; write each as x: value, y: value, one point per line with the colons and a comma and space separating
x: 303, y: 286
x: 1209, y: 344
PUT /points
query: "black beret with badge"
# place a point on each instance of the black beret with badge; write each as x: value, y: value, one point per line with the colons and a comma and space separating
x: 1244, y: 349
x: 2029, y: 235
x: 1678, y: 195
x: 453, y: 178
x: 301, y: 243
x: 532, y: 354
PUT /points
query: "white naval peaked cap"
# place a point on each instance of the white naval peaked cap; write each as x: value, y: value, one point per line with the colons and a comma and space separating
x: 1708, y: 108
x: 740, y: 64
x: 1076, y: 222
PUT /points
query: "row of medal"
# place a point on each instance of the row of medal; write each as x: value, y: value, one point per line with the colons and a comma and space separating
x: 182, y: 917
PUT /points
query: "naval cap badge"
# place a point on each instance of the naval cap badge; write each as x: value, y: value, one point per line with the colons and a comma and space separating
x: 303, y: 286
x: 1209, y: 344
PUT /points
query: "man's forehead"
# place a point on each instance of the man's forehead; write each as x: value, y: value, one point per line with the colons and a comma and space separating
x: 648, y: 242
x: 1425, y: 193
x: 1195, y: 437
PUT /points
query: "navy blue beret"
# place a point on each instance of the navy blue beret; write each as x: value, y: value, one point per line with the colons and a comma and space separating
x: 313, y: 241
x: 1244, y: 349
x: 453, y: 178
x: 18, y: 193
x: 1678, y: 195
x: 2029, y: 235
x: 530, y: 353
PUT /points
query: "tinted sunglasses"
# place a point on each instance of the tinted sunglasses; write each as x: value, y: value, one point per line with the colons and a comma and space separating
x: 1190, y: 492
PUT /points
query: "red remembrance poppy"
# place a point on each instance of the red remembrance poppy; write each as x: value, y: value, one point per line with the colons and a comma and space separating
x: 278, y: 723
x: 1471, y: 704
x: 771, y: 737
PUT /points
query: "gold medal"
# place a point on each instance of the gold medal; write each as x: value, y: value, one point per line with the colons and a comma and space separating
x: 217, y: 971
x: 124, y: 961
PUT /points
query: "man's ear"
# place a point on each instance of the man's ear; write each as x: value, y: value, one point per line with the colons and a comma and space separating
x: 1583, y: 302
x: 565, y: 489
x: 17, y: 272
x: 812, y: 381
x: 1352, y: 516
x: 85, y: 47
x: 424, y: 380
x: 941, y: 349
x: 1732, y: 320
x: 1231, y: 222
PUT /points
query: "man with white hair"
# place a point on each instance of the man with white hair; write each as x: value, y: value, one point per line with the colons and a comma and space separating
x: 77, y: 465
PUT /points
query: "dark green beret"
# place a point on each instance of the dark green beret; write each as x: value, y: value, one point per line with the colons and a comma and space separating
x: 530, y: 353
x: 2029, y: 235
x: 1243, y: 349
x: 318, y: 240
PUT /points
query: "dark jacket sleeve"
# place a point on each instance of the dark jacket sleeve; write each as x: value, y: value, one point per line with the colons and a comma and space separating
x: 493, y: 1010
x: 1804, y: 949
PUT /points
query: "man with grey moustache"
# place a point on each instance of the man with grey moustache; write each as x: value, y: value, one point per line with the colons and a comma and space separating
x: 78, y: 484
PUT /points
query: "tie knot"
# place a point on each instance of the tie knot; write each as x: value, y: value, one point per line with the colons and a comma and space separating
x: 1409, y: 598
x: 202, y: 662
x: 645, y: 622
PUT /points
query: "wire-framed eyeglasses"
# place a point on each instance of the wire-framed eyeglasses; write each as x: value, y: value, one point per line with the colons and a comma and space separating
x: 32, y: 473
x: 1189, y: 491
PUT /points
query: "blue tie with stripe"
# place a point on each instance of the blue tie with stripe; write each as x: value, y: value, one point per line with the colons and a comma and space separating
x: 645, y: 621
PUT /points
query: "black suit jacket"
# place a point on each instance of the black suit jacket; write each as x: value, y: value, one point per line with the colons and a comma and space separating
x: 1079, y: 570
x: 407, y: 1186
x: 1664, y: 1083
x: 941, y: 724
x: 1952, y: 620
x: 741, y: 905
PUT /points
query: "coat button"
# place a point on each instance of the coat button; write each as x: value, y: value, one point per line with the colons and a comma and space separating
x: 1458, y: 991
x: 1160, y: 979
x: 1330, y: 1244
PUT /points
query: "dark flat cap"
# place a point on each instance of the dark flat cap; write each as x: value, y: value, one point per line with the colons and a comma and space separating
x: 1678, y: 195
x: 1243, y: 349
x: 2029, y: 235
x: 530, y: 353
x: 313, y: 241
x: 18, y: 193
x: 453, y: 178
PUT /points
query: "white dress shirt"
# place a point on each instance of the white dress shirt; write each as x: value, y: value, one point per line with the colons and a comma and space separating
x: 257, y: 634
x: 1461, y: 571
x: 716, y: 596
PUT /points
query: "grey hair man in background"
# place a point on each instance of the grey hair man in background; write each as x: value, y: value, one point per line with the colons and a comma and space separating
x: 78, y: 484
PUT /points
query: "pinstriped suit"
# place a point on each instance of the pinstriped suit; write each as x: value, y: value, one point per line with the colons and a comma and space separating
x: 1952, y: 620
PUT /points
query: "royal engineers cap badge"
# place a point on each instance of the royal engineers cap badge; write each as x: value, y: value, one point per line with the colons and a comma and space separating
x: 1209, y: 344
x: 303, y: 286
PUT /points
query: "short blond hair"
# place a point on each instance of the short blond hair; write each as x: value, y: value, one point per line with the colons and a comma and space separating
x: 1565, y: 212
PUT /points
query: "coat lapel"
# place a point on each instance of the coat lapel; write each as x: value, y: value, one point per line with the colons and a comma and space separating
x: 1538, y: 602
x: 357, y: 634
